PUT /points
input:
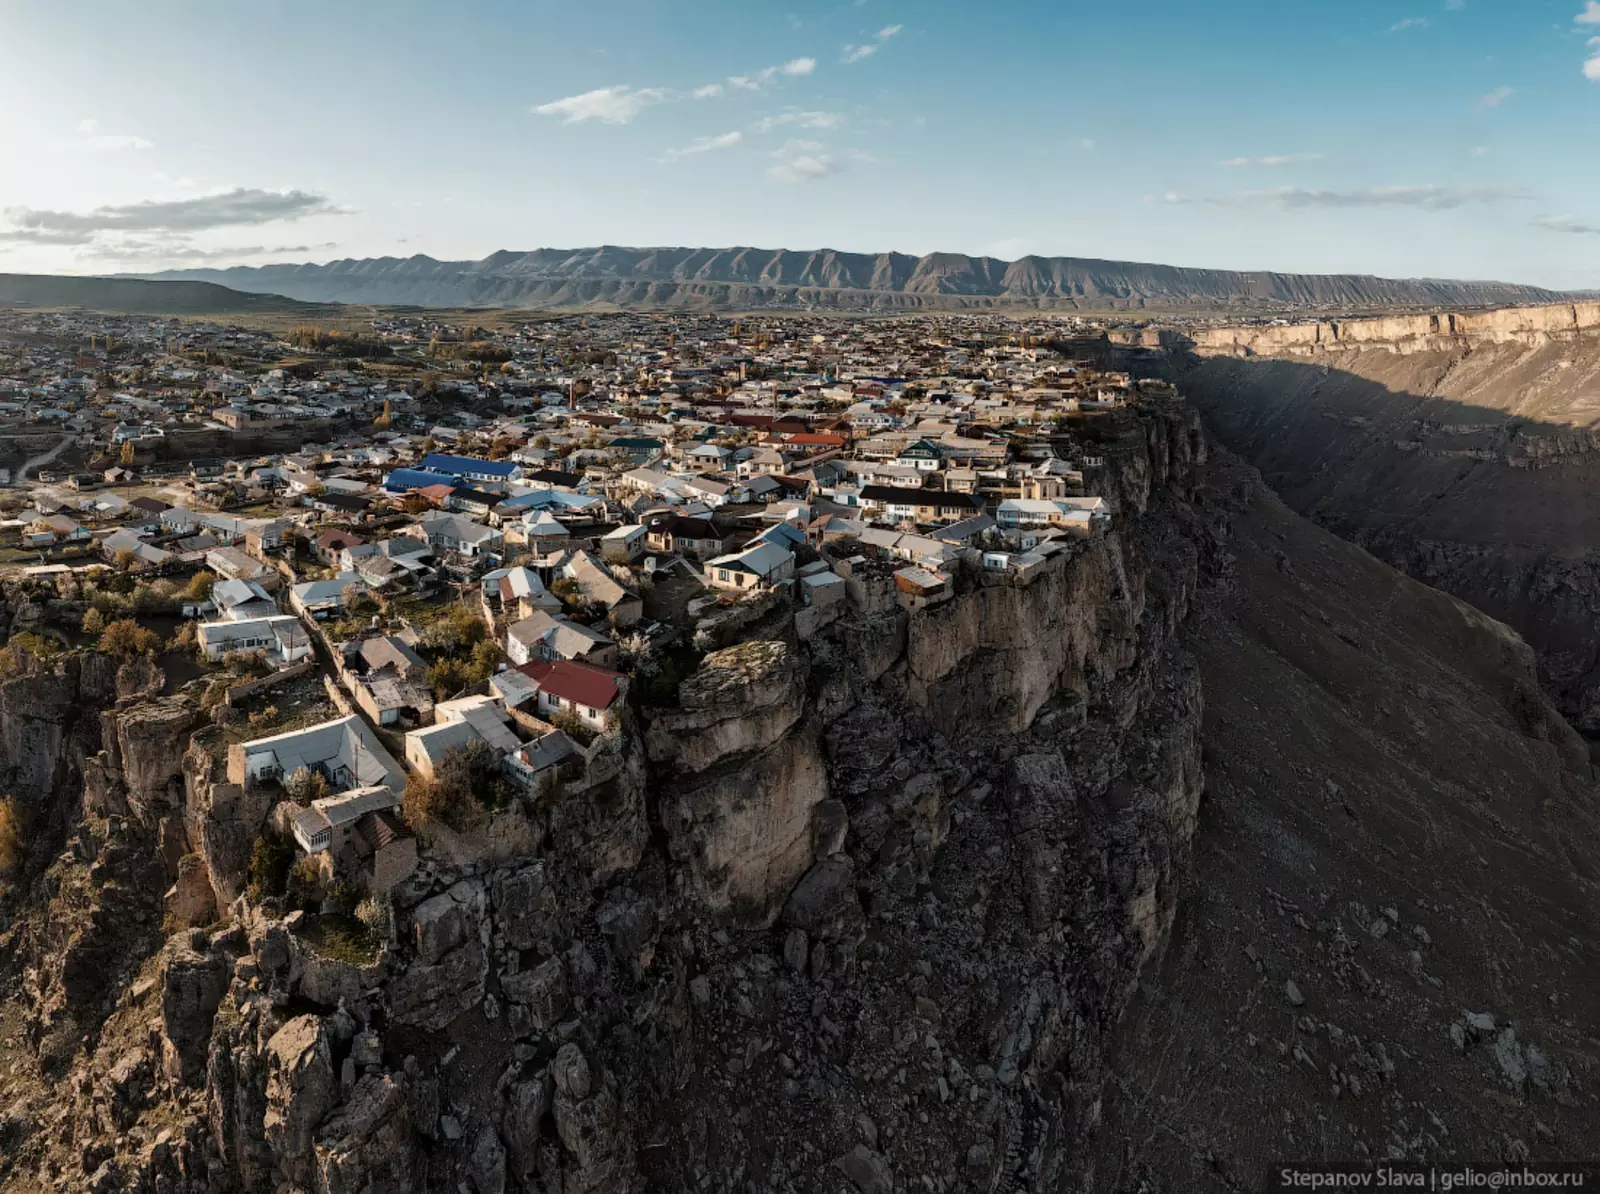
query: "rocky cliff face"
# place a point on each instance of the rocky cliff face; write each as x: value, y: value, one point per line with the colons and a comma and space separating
x: 744, y: 278
x: 853, y: 897
x: 864, y: 909
x: 1460, y: 448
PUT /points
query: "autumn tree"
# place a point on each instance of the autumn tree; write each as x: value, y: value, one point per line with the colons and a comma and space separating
x: 200, y: 584
x: 126, y: 639
x: 94, y: 622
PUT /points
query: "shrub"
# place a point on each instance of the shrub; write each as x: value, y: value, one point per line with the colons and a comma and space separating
x: 199, y: 587
x: 374, y: 913
x: 304, y: 888
x: 456, y: 629
x: 271, y: 858
x: 94, y: 622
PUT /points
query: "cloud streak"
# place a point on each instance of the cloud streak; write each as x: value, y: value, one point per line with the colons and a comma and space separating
x: 1496, y: 97
x: 224, y: 209
x: 622, y: 103
x: 707, y: 144
x: 855, y: 52
x: 609, y: 105
x: 1568, y: 224
x: 1278, y: 159
x: 1425, y: 198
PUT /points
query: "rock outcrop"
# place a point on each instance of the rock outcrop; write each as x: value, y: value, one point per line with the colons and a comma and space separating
x: 1462, y: 449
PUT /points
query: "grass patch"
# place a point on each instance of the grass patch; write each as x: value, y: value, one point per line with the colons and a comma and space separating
x: 342, y: 939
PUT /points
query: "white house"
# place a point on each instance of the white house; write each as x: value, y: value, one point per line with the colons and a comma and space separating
x: 764, y: 565
x: 280, y: 637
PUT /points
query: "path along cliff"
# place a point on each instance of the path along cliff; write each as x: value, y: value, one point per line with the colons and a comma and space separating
x: 865, y: 908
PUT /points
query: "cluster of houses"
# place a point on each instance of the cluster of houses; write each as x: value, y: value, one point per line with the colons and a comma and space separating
x: 575, y: 508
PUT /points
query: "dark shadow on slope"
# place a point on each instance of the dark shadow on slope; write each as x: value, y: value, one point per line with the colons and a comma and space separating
x: 1500, y: 510
x: 1396, y: 830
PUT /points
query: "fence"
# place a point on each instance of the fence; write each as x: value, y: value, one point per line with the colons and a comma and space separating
x: 245, y: 688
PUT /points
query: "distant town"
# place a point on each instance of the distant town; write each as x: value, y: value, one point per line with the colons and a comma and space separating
x: 375, y: 554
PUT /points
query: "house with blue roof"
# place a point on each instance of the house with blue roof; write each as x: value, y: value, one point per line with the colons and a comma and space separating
x: 403, y: 480
x: 472, y: 468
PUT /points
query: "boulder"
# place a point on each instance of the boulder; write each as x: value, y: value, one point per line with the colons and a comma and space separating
x: 526, y: 909
x: 192, y: 984
x: 542, y: 991
x: 432, y: 996
x: 301, y: 1089
x: 527, y: 1103
x: 190, y: 901
x: 366, y: 1146
x: 438, y: 926
x: 824, y: 902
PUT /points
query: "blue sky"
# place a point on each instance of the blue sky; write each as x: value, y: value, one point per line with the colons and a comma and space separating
x: 1402, y: 137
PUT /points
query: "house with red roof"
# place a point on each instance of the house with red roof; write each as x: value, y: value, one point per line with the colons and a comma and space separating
x: 329, y: 544
x: 565, y: 685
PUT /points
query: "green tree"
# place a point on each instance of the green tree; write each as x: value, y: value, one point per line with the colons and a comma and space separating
x: 270, y: 860
x: 305, y: 785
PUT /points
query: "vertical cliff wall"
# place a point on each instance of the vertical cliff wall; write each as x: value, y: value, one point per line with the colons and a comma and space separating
x: 1462, y: 449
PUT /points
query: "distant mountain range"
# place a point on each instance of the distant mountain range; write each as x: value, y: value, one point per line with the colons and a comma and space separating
x: 749, y: 279
x: 130, y: 296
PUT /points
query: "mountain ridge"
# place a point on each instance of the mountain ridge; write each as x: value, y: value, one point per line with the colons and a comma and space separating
x: 741, y: 277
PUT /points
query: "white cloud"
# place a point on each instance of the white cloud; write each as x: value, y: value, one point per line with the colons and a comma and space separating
x: 1276, y: 159
x: 708, y: 144
x: 1480, y: 151
x: 709, y: 91
x: 801, y: 119
x: 609, y: 105
x: 1426, y: 198
x: 1410, y: 23
x: 88, y: 126
x: 854, y: 52
x: 225, y: 209
x: 1568, y: 224
x: 1454, y: 5
x: 1591, y: 68
x: 1590, y: 14
x: 1496, y: 97
x: 799, y: 66
x: 806, y: 167
x: 1087, y: 143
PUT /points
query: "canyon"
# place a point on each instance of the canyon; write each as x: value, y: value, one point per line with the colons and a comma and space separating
x: 734, y: 279
x: 1461, y: 448
x: 1215, y: 840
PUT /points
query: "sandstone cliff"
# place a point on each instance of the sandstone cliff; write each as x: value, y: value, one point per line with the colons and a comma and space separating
x: 1463, y: 449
